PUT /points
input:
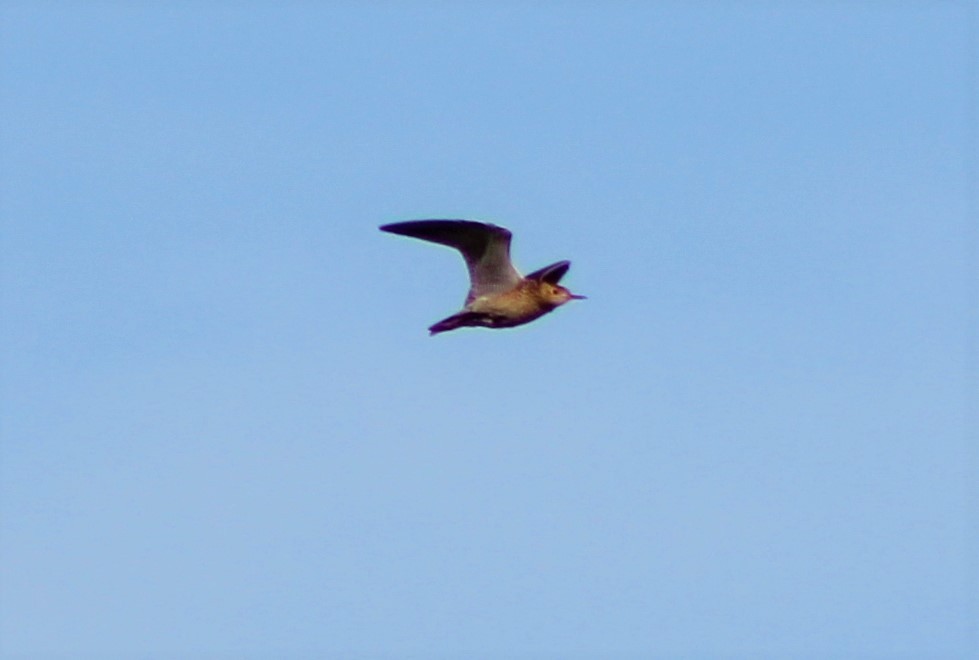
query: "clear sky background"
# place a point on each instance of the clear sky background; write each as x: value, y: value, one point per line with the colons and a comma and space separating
x: 226, y: 433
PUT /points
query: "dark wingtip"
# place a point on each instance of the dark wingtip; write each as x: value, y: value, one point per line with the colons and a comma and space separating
x: 465, y: 235
x: 551, y: 274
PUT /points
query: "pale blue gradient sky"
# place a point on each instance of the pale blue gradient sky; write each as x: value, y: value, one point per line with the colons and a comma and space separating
x: 225, y: 432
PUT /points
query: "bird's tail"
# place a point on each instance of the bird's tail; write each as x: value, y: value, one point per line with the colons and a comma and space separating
x: 459, y: 320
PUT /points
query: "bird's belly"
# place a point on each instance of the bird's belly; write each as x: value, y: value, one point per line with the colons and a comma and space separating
x: 508, y: 309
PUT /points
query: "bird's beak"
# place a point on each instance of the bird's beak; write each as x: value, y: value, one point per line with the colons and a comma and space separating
x: 575, y: 296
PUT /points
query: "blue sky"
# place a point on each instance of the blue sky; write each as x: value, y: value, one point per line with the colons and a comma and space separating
x: 226, y: 433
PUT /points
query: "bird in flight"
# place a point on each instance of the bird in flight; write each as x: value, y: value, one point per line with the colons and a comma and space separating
x: 499, y: 297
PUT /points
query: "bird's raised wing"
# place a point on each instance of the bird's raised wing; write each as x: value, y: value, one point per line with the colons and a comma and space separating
x: 551, y: 274
x: 485, y: 247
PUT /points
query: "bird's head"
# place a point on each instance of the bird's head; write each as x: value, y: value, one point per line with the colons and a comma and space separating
x: 555, y: 295
x: 548, y: 289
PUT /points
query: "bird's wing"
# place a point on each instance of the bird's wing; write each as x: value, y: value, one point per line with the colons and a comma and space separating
x: 551, y: 274
x: 485, y: 247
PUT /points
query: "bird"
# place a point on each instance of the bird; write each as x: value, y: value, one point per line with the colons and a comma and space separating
x: 499, y: 296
